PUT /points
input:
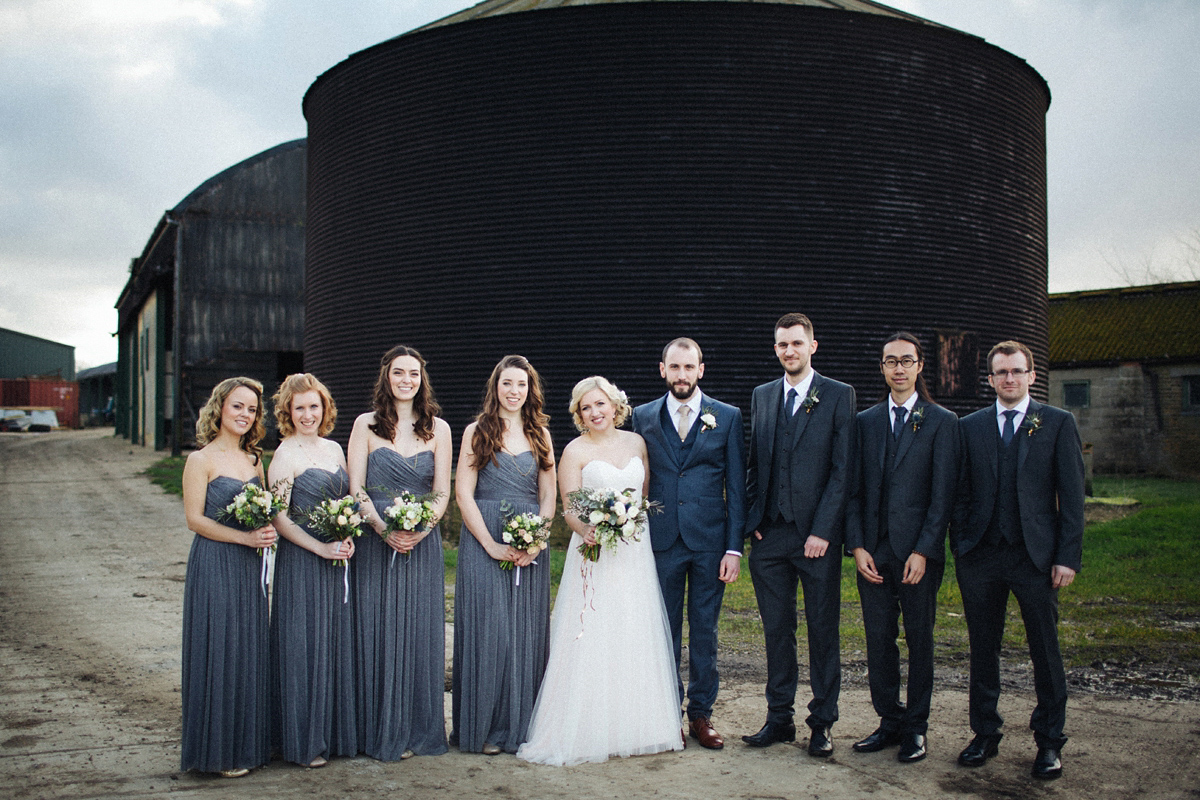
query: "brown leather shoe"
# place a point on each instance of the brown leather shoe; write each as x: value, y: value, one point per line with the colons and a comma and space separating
x: 703, y: 732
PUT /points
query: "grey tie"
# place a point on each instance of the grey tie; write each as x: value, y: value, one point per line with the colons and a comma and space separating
x: 791, y: 402
x: 900, y: 412
x: 1009, y: 428
x: 684, y: 411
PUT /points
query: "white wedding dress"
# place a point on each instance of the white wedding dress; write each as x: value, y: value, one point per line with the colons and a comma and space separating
x: 610, y: 685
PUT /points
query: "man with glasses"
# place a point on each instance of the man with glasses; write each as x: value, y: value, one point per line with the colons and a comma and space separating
x: 801, y: 442
x: 905, y: 474
x: 1017, y: 527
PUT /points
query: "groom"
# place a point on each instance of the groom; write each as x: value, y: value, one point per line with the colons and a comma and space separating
x: 697, y: 471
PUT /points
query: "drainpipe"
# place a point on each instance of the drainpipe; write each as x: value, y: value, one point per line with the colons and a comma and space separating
x: 176, y: 340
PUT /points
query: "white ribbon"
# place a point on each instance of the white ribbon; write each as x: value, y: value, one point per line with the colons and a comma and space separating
x: 518, y: 578
x: 265, y: 566
x: 346, y: 583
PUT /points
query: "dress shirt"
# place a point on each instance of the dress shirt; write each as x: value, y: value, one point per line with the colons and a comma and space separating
x: 693, y: 403
x: 801, y: 390
x: 908, y: 404
x: 1020, y: 408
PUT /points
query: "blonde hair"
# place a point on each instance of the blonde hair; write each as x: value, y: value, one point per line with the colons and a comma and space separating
x: 208, y: 422
x: 615, y: 396
x: 300, y: 383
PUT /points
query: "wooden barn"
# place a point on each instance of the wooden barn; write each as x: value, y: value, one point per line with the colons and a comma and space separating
x: 218, y: 291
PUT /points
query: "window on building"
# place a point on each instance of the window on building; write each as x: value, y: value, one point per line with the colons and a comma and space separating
x: 1077, y: 394
x: 1191, y: 393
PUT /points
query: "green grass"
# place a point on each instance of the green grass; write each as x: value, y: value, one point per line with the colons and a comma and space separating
x: 1138, y: 596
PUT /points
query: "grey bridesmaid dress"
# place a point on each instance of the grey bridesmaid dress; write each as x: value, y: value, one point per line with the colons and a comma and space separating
x: 312, y: 639
x: 399, y: 605
x: 225, y: 689
x: 501, y: 629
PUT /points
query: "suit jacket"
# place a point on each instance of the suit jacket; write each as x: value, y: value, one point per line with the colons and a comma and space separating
x: 921, y: 481
x: 699, y: 481
x: 824, y: 444
x: 1049, y: 484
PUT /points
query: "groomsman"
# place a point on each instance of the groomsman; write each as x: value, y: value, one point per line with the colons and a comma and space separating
x: 697, y: 470
x: 905, y: 475
x: 1018, y: 527
x: 801, y: 441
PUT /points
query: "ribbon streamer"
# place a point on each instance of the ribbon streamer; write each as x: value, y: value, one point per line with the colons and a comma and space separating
x: 265, y: 567
x: 346, y: 582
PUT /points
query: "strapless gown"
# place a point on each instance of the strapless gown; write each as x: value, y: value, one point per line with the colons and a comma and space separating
x: 501, y: 630
x: 226, y: 658
x: 610, y: 686
x: 312, y: 639
x: 400, y: 612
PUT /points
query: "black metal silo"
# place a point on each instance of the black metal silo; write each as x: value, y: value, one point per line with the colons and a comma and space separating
x: 582, y: 184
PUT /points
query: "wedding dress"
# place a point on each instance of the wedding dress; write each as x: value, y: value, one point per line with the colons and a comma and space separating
x: 610, y: 686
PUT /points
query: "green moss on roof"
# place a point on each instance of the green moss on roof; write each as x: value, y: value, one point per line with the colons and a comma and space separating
x: 1157, y: 323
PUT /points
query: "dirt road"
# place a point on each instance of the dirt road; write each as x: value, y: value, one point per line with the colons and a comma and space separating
x: 92, y: 562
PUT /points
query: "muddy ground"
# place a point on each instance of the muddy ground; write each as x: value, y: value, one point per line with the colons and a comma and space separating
x: 92, y: 561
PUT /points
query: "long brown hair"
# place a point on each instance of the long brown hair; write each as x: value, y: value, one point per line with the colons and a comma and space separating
x: 425, y: 407
x: 208, y: 421
x: 489, y: 426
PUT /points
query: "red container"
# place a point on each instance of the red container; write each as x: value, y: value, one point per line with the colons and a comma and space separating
x: 62, y: 396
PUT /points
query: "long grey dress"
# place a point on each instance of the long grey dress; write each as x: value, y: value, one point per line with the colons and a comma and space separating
x: 400, y: 613
x: 225, y: 688
x: 501, y: 630
x: 312, y: 639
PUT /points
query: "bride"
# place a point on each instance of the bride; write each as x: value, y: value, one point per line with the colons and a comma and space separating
x: 610, y: 686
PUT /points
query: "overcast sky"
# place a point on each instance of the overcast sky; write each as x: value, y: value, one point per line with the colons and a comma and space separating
x: 111, y: 111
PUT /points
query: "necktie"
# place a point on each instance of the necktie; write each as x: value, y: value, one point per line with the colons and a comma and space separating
x: 1009, y: 429
x: 684, y: 411
x: 791, y: 402
x: 901, y: 412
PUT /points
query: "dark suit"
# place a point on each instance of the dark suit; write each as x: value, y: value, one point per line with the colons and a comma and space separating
x: 1009, y: 541
x: 699, y: 483
x: 796, y: 484
x: 901, y: 504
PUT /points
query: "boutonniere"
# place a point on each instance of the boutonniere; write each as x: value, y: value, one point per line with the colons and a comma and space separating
x: 811, y: 401
x: 1033, y: 423
x: 708, y: 420
x: 918, y: 416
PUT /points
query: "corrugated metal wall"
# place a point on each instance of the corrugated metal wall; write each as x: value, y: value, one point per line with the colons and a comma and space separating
x: 25, y: 356
x: 582, y: 184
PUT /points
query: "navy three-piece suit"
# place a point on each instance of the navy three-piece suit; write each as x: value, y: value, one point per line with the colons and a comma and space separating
x: 701, y: 485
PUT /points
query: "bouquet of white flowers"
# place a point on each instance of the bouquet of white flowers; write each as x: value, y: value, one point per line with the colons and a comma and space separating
x: 528, y: 532
x: 618, y: 516
x: 254, y: 507
x: 409, y: 512
x: 337, y: 520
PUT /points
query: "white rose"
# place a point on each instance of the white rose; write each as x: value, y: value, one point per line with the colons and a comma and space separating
x: 355, y: 519
x: 596, y: 517
x: 341, y: 520
x: 507, y: 537
x: 629, y: 528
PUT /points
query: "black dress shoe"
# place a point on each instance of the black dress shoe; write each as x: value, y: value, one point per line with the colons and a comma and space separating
x: 771, y: 733
x: 981, y: 748
x: 912, y: 748
x: 877, y: 741
x: 1047, y: 765
x: 820, y: 742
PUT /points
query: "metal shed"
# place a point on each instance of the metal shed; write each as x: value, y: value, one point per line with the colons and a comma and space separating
x: 583, y: 182
x: 217, y: 291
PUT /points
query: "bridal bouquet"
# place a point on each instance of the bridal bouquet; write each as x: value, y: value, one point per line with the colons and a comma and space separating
x: 617, y: 515
x: 336, y: 520
x: 528, y: 532
x: 409, y: 513
x: 254, y: 507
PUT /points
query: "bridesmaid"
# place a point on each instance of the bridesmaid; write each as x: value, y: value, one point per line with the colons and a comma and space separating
x: 225, y: 652
x: 399, y: 602
x: 501, y: 630
x: 312, y: 644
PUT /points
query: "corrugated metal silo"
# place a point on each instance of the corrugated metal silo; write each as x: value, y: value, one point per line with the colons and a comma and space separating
x: 581, y: 184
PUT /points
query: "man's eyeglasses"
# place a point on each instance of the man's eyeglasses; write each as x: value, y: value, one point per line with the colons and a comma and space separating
x: 1004, y: 373
x: 892, y: 363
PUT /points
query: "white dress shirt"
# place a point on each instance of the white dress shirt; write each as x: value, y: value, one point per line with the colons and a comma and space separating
x: 801, y: 391
x: 1020, y: 408
x: 693, y: 404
